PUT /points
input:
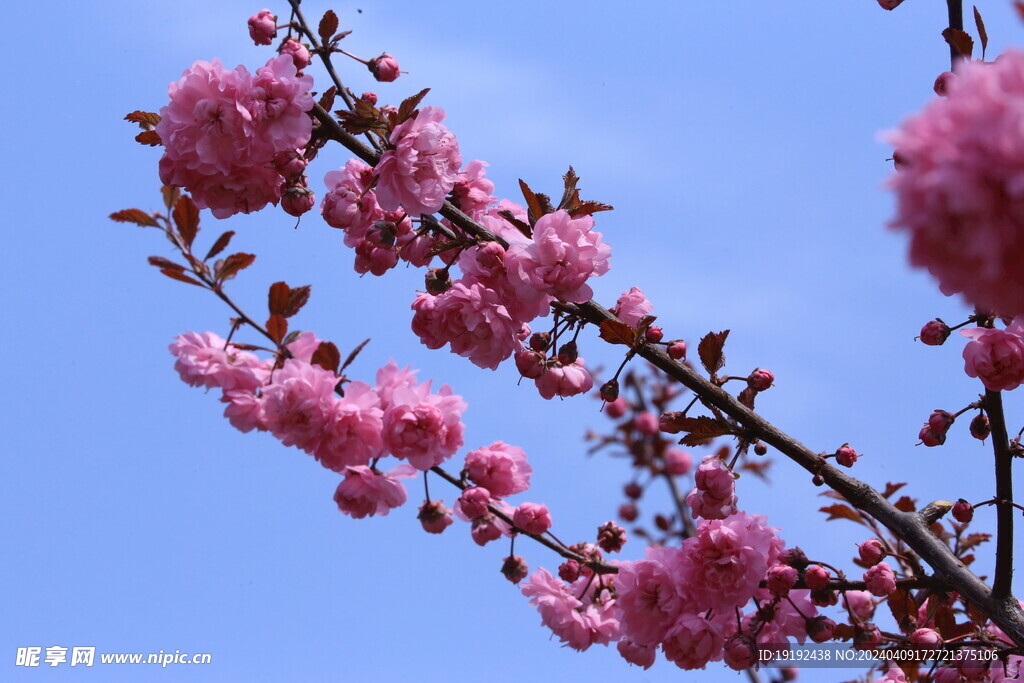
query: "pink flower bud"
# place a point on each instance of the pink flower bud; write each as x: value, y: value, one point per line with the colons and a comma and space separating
x: 297, y: 199
x: 611, y: 537
x: 616, y: 409
x: 485, y: 530
x: 434, y: 516
x: 646, y: 423
x: 980, y: 427
x: 678, y: 462
x: 532, y: 518
x: 633, y: 490
x: 384, y: 68
x: 438, y: 281
x: 539, y: 341
x: 880, y: 580
x: 860, y: 604
x: 760, y: 380
x: 940, y: 421
x: 473, y: 502
x: 297, y: 51
x: 931, y: 438
x: 654, y: 333
x: 677, y: 349
x: 925, y: 636
x: 370, y: 97
x: 846, y: 456
x: 781, y: 578
x: 820, y: 629
x: 816, y: 577
x: 963, y: 511
x: 740, y: 653
x: 871, y: 552
x: 569, y: 571
x: 290, y: 164
x: 867, y: 637
x: 935, y: 333
x: 529, y: 363
x: 514, y: 568
x: 263, y: 27
x: 628, y: 512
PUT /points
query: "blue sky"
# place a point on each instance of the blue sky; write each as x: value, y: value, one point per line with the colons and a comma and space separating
x: 739, y: 144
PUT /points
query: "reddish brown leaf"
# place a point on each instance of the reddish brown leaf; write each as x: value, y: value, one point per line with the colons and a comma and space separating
x: 832, y: 494
x: 904, y: 610
x: 409, y: 104
x: 186, y: 217
x: 277, y: 327
x: 352, y: 356
x: 326, y: 356
x: 700, y: 429
x: 1019, y: 6
x: 136, y: 216
x: 148, y: 118
x: 230, y: 266
x: 277, y: 298
x: 973, y: 540
x: 170, y: 194
x: 661, y: 521
x: 161, y: 262
x: 297, y: 298
x: 571, y: 195
x: 327, y: 99
x: 220, y: 245
x: 891, y: 488
x: 616, y: 332
x: 905, y: 504
x: 533, y: 207
x: 588, y: 208
x: 180, y: 276
x: 148, y: 137
x: 518, y: 224
x: 712, y: 351
x: 758, y: 468
x: 982, y: 33
x: 960, y: 40
x: 840, y: 511
x: 643, y: 324
x: 328, y: 25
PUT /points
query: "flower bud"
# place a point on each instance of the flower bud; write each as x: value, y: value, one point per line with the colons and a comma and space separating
x: 297, y: 51
x: 867, y: 637
x: 646, y: 423
x: 628, y: 512
x: 653, y: 333
x: 935, y: 333
x: 611, y: 537
x: 781, y: 578
x: 539, y: 341
x: 297, y: 199
x: 384, y: 68
x: 678, y: 462
x: 963, y: 511
x: 760, y: 448
x: 370, y: 97
x: 820, y: 629
x: 434, y: 516
x: 880, y: 580
x: 474, y: 501
x: 677, y: 349
x: 846, y: 456
x: 437, y: 281
x: 980, y: 427
x: 532, y: 518
x: 616, y: 409
x: 633, y: 490
x: 930, y: 437
x: 290, y: 164
x: 263, y: 27
x: 925, y: 636
x: 818, y: 480
x: 610, y: 390
x: 485, y: 530
x: 568, y: 354
x: 794, y: 557
x: 760, y: 380
x: 816, y: 577
x: 740, y: 652
x: 941, y: 86
x: 871, y: 552
x: 569, y: 571
x: 514, y: 568
x: 940, y: 421
x: 824, y: 597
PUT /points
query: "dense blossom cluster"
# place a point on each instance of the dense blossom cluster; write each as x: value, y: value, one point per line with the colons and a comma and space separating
x: 223, y: 131
x: 960, y: 185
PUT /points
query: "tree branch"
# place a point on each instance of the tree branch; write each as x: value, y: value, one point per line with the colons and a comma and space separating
x: 1004, y: 495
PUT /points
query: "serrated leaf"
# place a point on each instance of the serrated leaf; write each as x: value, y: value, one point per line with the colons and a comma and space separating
x: 982, y: 33
x: 220, y: 245
x: 230, y: 266
x: 588, y: 208
x: 571, y: 195
x: 186, y: 217
x: 759, y: 468
x: 171, y: 195
x: 136, y: 216
x: 973, y: 540
x: 277, y: 327
x: 409, y: 104
x: 147, y: 118
x: 700, y: 430
x: 891, y: 488
x: 961, y: 41
x: 617, y: 332
x: 161, y: 262
x: 297, y: 298
x: 352, y: 356
x: 905, y: 504
x: 326, y: 356
x: 327, y: 99
x: 533, y: 207
x: 181, y: 277
x: 328, y: 25
x: 712, y: 351
x: 277, y: 298
x: 642, y: 325
x: 148, y: 137
x: 840, y: 511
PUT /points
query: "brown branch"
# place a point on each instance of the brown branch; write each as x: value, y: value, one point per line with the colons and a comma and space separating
x: 1004, y: 494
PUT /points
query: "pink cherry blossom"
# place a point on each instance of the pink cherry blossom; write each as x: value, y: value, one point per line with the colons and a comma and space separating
x: 578, y: 622
x: 632, y: 306
x: 263, y: 27
x: 423, y: 166
x: 472, y: 503
x: 960, y: 186
x: 646, y: 423
x: 860, y: 603
x: 564, y: 380
x: 693, y: 641
x: 532, y: 518
x: 564, y: 254
x: 651, y: 595
x: 640, y: 655
x: 206, y: 360
x: 422, y: 427
x: 880, y: 579
x: 349, y: 204
x: 384, y: 68
x: 298, y: 403
x: 714, y: 496
x: 677, y: 461
x: 352, y: 431
x: 996, y: 356
x: 473, y: 192
x: 472, y: 319
x: 279, y: 100
x: 501, y: 468
x: 244, y: 410
x: 298, y: 52
x: 365, y: 492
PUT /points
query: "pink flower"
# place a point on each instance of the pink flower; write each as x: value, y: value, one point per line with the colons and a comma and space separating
x: 422, y: 427
x: 421, y: 169
x: 893, y: 673
x: 640, y: 655
x: 617, y: 408
x: 532, y: 518
x: 935, y: 333
x: 564, y: 380
x: 788, y: 619
x: 279, y: 101
x: 384, y: 69
x: 677, y: 461
x: 996, y: 356
x: 244, y: 410
x: 693, y: 641
x: 365, y: 492
x: 390, y: 378
x: 715, y: 494
x: 860, y: 603
x: 434, y: 517
x: 781, y: 578
x: 472, y: 503
x: 880, y: 579
x: 960, y: 188
x: 349, y: 204
x: 470, y: 318
x: 263, y: 27
x: 352, y: 431
x: 577, y: 621
x: 564, y: 254
x: 632, y: 306
x: 501, y: 468
x: 485, y: 529
x: 727, y: 559
x: 298, y: 52
x: 485, y: 265
x: 530, y: 363
x: 925, y: 636
x: 298, y: 403
x: 651, y: 595
x: 871, y: 551
x: 473, y: 192
x: 646, y: 423
x: 206, y: 360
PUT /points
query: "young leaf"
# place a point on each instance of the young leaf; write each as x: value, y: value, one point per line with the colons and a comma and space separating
x: 571, y: 195
x: 327, y: 99
x: 904, y: 609
x: 701, y: 429
x: 409, y: 105
x: 326, y: 356
x: 533, y: 207
x: 186, y: 217
x: 712, y: 351
x: 588, y: 208
x: 230, y: 266
x: 220, y: 245
x: 961, y: 41
x: 616, y: 332
x: 840, y: 511
x: 170, y: 194
x: 328, y: 25
x: 148, y: 137
x: 180, y: 276
x: 147, y: 119
x: 982, y: 33
x: 278, y: 298
x: 518, y: 224
x: 277, y: 327
x: 352, y: 356
x: 891, y: 488
x: 905, y: 504
x: 161, y: 262
x: 136, y: 216
x: 297, y: 298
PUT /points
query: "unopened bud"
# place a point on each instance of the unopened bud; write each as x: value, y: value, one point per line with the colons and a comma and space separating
x: 980, y: 426
x: 438, y: 280
x: 820, y: 629
x: 935, y: 333
x: 653, y: 333
x: 633, y: 490
x: 846, y: 456
x: 628, y: 512
x: 740, y: 653
x: 384, y: 68
x: 569, y: 571
x: 760, y: 448
x: 539, y: 341
x: 929, y: 437
x: 963, y: 511
x: 610, y: 390
x: 816, y: 577
x: 611, y: 537
x: 514, y: 568
x: 677, y: 349
x: 760, y: 379
x: 794, y: 557
x: 297, y: 199
x: 568, y: 354
x: 370, y: 97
